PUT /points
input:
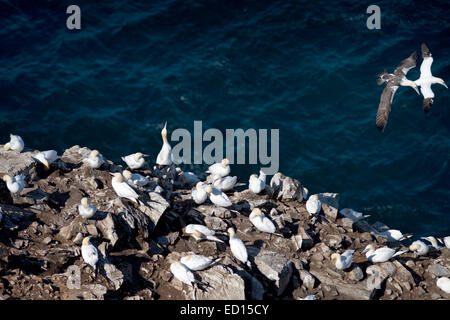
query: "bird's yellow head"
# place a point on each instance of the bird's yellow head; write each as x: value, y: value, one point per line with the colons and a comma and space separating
x: 86, y: 241
x: 225, y: 162
x: 335, y: 256
x: 199, y: 185
x: 413, y: 247
x: 138, y: 156
x: 208, y: 189
x: 7, y: 146
x: 94, y: 154
x: 84, y: 202
x: 256, y: 212
x: 164, y: 132
x: 126, y: 174
x: 118, y: 176
x: 7, y: 178
x: 231, y: 232
x: 197, y: 233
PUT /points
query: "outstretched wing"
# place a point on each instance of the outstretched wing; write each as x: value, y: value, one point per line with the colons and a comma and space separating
x: 385, y: 106
x: 406, y: 65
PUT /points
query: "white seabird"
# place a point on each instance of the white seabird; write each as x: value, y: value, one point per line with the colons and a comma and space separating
x: 426, y: 79
x: 395, y: 235
x: 15, y: 143
x: 433, y: 242
x: 221, y: 169
x: 89, y: 253
x: 86, y: 210
x: 352, y: 214
x: 393, y: 82
x: 135, y: 180
x: 343, y: 261
x: 123, y: 189
x: 135, y: 160
x: 305, y: 192
x: 446, y: 241
x: 15, y: 184
x: 256, y: 184
x: 261, y: 222
x: 313, y: 204
x: 238, y: 248
x: 381, y: 254
x: 199, y: 195
x: 443, y: 283
x: 47, y: 158
x: 95, y: 159
x: 164, y: 157
x: 200, y: 232
x: 182, y: 273
x: 225, y: 183
x: 218, y: 197
x: 197, y: 262
x: 419, y: 247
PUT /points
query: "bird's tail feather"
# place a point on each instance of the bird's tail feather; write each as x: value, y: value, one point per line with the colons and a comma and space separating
x: 427, y: 102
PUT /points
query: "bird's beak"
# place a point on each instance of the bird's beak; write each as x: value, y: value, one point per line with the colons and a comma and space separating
x: 7, y: 146
x: 443, y: 83
x: 46, y: 165
x: 365, y: 250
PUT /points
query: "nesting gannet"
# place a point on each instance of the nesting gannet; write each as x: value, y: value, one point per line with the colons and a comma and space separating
x: 419, y: 247
x: 353, y: 215
x: 343, y: 261
x: 443, y: 283
x: 426, y: 79
x: 89, y: 253
x: 305, y: 192
x: 221, y: 169
x: 199, y: 195
x: 47, y: 158
x: 164, y: 157
x: 135, y: 180
x: 135, y: 160
x: 182, y: 273
x: 190, y: 177
x: 95, y: 159
x: 217, y: 197
x: 381, y: 254
x: 86, y: 210
x: 257, y: 184
x: 225, y: 183
x: 261, y: 222
x: 15, y: 143
x: 15, y: 184
x: 196, y: 262
x: 200, y: 232
x: 433, y: 242
x: 393, y: 81
x: 122, y: 188
x: 238, y: 248
x: 313, y: 204
x: 395, y: 235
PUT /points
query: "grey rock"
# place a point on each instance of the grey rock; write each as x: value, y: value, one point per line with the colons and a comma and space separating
x: 297, y: 241
x: 215, y: 223
x: 286, y: 188
x: 307, y: 278
x: 403, y: 276
x: 14, y: 163
x: 307, y: 240
x: 213, y: 211
x: 356, y: 273
x: 438, y: 270
x: 330, y: 204
x: 223, y: 284
x: 108, y: 228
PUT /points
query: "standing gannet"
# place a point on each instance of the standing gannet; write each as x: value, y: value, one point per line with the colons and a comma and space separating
x: 15, y: 143
x: 395, y: 235
x: 196, y: 262
x: 217, y: 197
x: 122, y: 188
x: 443, y: 283
x: 221, y: 169
x: 238, y: 248
x: 15, y: 184
x: 135, y: 180
x: 164, y: 157
x: 225, y: 183
x: 200, y: 232
x: 393, y: 81
x: 199, y: 195
x: 47, y: 158
x: 261, y: 222
x: 95, y: 159
x: 343, y: 261
x: 305, y: 192
x: 313, y: 205
x: 86, y: 210
x: 419, y: 247
x: 381, y: 254
x: 135, y: 160
x: 426, y: 79
x: 353, y: 215
x: 257, y: 184
x: 433, y: 242
x: 89, y: 253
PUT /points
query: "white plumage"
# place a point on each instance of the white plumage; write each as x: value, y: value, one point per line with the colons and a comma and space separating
x: 15, y: 143
x: 86, y: 210
x: 199, y: 195
x: 197, y: 262
x: 257, y: 184
x: 134, y: 161
x: 95, y: 159
x: 225, y: 183
x: 393, y: 234
x: 381, y: 254
x: 238, y: 248
x: 14, y: 184
x: 47, y: 157
x: 313, y: 204
x: 343, y: 261
x: 447, y: 241
x: 443, y: 283
x: 433, y: 242
x: 164, y: 157
x: 182, y: 273
x: 217, y: 197
x: 135, y: 180
x: 89, y: 253
x: 200, y: 232
x: 221, y: 169
x: 261, y: 222
x: 122, y: 188
x: 352, y: 214
x: 419, y: 247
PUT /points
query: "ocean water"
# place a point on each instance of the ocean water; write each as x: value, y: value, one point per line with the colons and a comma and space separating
x: 307, y: 68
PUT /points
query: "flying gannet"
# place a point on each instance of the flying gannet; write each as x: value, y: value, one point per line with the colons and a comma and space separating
x: 343, y: 261
x: 123, y: 189
x: 15, y: 143
x: 238, y: 248
x: 381, y: 254
x: 257, y: 184
x: 164, y: 157
x: 261, y: 222
x: 95, y: 159
x: 426, y: 79
x: 47, y: 158
x: 313, y: 204
x: 221, y: 169
x: 15, y: 184
x: 135, y: 160
x: 225, y: 183
x: 217, y: 197
x: 419, y: 247
x: 395, y: 235
x: 89, y: 253
x: 197, y: 262
x: 86, y: 210
x: 135, y: 180
x: 199, y: 195
x: 443, y: 283
x: 352, y: 214
x: 393, y: 81
x: 200, y: 232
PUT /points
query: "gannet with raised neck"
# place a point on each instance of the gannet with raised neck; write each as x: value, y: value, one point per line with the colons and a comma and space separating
x: 135, y: 180
x: 381, y: 254
x: 352, y: 214
x: 89, y: 253
x: 199, y: 195
x: 225, y: 183
x: 261, y: 222
x: 14, y: 184
x: 238, y: 248
x: 196, y: 262
x: 200, y: 232
x: 343, y: 261
x: 15, y: 143
x: 164, y: 157
x: 123, y: 189
x: 419, y: 247
x: 313, y: 204
x: 86, y: 210
x: 135, y: 161
x: 256, y: 184
x: 217, y: 197
x: 220, y: 169
x: 47, y: 158
x: 95, y: 159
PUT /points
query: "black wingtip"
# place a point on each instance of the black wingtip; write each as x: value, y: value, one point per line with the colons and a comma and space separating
x: 425, y: 51
x: 427, y: 104
x: 414, y: 55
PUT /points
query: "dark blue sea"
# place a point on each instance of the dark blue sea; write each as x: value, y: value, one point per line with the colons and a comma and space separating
x: 307, y: 68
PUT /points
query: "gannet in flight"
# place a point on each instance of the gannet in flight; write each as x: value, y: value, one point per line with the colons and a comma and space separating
x: 426, y: 79
x: 261, y: 222
x: 164, y: 157
x: 95, y: 159
x: 238, y: 248
x: 221, y: 169
x: 352, y: 214
x: 395, y: 235
x: 218, y: 197
x: 381, y: 254
x: 135, y: 160
x: 86, y: 210
x: 343, y: 261
x: 15, y: 184
x: 15, y: 143
x: 393, y: 81
x: 196, y: 262
x: 257, y: 184
x: 135, y: 180
x: 225, y: 183
x: 199, y: 195
x: 443, y: 283
x: 123, y: 189
x: 47, y: 158
x: 200, y: 232
x: 419, y: 247
x: 313, y: 205
x: 89, y: 253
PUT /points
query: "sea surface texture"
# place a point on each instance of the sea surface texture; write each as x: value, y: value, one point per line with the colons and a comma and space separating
x: 307, y: 68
